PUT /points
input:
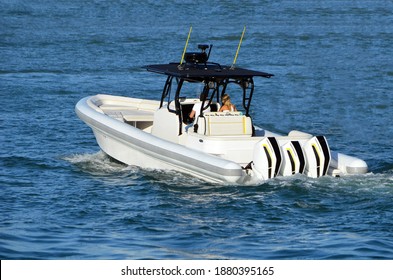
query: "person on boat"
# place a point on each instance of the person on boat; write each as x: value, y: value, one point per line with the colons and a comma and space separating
x: 227, y: 105
x: 196, y: 109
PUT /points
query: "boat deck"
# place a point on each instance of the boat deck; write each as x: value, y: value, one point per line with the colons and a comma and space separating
x: 131, y: 115
x: 127, y: 113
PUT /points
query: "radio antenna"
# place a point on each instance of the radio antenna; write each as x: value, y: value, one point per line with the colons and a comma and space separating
x: 238, y: 48
x: 185, y: 47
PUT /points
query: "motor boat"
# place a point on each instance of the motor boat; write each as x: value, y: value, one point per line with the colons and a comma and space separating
x: 220, y: 147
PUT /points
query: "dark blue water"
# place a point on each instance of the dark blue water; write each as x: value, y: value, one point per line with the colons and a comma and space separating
x: 62, y: 199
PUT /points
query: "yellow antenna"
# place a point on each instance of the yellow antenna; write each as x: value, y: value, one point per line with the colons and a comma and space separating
x: 185, y: 47
x: 238, y: 48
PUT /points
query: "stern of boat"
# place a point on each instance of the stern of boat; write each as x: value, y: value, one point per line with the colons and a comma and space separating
x: 301, y: 153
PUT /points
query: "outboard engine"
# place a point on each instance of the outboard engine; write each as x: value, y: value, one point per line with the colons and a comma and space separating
x: 286, y: 156
x: 318, y: 156
x: 267, y: 158
x: 293, y: 159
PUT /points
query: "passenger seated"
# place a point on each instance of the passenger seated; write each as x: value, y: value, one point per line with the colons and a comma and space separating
x: 227, y: 105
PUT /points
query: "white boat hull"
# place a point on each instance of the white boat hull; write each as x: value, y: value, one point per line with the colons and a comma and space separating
x: 132, y: 146
x: 124, y: 129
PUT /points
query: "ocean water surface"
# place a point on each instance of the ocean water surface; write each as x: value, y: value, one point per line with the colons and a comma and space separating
x: 61, y: 198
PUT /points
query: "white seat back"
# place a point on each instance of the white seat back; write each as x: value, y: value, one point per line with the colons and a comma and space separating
x: 224, y: 124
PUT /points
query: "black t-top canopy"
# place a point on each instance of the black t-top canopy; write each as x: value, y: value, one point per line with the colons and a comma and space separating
x: 214, y: 76
x: 209, y: 71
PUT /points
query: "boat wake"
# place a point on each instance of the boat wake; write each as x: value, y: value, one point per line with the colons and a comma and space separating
x: 100, y: 164
x: 103, y: 167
